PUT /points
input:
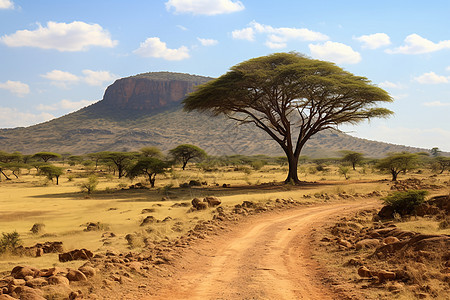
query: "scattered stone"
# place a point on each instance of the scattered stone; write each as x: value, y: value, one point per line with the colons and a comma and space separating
x: 58, y: 279
x: 364, y: 272
x: 367, y: 243
x: 148, y: 220
x: 20, y: 272
x: 38, y: 228
x: 212, y: 201
x: 87, y: 270
x: 77, y: 254
x: 75, y: 275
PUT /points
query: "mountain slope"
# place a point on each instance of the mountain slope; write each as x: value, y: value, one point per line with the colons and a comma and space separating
x: 145, y: 110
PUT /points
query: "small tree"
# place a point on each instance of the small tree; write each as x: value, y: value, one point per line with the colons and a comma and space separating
x: 344, y: 171
x: 405, y: 202
x: 120, y: 159
x: 397, y: 162
x: 443, y: 162
x: 46, y: 156
x: 352, y: 157
x: 149, y: 166
x: 51, y: 172
x: 184, y: 153
x: 90, y: 185
x: 9, y: 241
x: 435, y: 152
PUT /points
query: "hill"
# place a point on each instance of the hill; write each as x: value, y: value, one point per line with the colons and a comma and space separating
x: 145, y: 110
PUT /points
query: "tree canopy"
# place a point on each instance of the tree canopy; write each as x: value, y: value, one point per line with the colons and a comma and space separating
x: 186, y: 152
x: 149, y: 166
x: 397, y: 162
x: 52, y: 172
x: 46, y: 156
x: 352, y: 157
x: 290, y: 97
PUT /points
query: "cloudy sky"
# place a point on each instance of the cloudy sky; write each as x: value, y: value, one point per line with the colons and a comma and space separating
x: 58, y: 56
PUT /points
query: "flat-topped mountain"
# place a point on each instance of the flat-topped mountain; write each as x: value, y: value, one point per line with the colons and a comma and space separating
x: 145, y: 110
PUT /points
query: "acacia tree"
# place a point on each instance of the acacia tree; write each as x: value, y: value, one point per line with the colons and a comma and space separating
x: 290, y: 97
x: 52, y: 172
x: 149, y: 166
x: 120, y: 159
x: 352, y: 157
x: 151, y: 151
x: 46, y: 156
x: 397, y: 162
x: 186, y: 152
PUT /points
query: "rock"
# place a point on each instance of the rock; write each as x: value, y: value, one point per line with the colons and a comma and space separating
x: 212, y: 201
x: 20, y: 272
x: 75, y: 275
x: 364, y: 272
x: 195, y: 183
x: 87, y: 270
x: 52, y: 271
x: 6, y: 297
x: 77, y: 254
x: 18, y: 282
x: 136, y: 266
x: 148, y: 210
x: 344, y: 243
x: 58, y: 279
x: 38, y: 228
x: 385, y: 275
x: 367, y: 243
x: 390, y: 240
x: 27, y: 293
x: 386, y: 212
x: 199, y: 204
x: 148, y: 220
x: 37, y: 282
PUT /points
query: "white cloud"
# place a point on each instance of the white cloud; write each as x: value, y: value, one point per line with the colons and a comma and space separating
x: 207, y: 42
x: 399, y: 96
x: 336, y: 52
x: 182, y: 27
x: 18, y: 88
x: 374, y: 41
x: 392, y: 85
x: 98, y: 77
x: 244, y: 34
x: 75, y: 36
x: 153, y: 47
x: 11, y: 117
x: 431, y: 78
x: 277, y: 37
x: 6, y: 4
x: 415, y: 44
x: 436, y: 104
x: 61, y: 78
x: 204, y: 7
x: 448, y: 68
x: 65, y: 105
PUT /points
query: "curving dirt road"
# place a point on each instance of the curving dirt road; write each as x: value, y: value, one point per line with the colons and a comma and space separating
x: 265, y: 257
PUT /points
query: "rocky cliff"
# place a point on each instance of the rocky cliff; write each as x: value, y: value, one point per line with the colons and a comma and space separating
x: 150, y: 91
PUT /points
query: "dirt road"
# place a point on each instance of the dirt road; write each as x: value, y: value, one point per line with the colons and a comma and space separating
x: 265, y: 257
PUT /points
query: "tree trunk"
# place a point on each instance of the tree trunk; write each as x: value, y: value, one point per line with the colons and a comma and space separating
x: 57, y: 180
x: 293, y: 165
x: 394, y: 175
x: 184, y: 164
x: 152, y: 178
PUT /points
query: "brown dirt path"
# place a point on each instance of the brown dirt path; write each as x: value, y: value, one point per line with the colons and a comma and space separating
x: 267, y: 256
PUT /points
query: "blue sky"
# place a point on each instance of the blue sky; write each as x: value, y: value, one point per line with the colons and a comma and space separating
x: 58, y: 56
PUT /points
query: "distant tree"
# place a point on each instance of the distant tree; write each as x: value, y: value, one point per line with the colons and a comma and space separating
x: 95, y: 157
x: 344, y: 171
x: 290, y: 97
x: 435, y: 152
x: 151, y: 151
x: 120, y: 159
x: 46, y: 156
x: 51, y: 172
x: 186, y: 152
x: 397, y: 162
x: 352, y: 157
x: 65, y: 156
x: 89, y: 185
x: 149, y: 166
x: 443, y: 162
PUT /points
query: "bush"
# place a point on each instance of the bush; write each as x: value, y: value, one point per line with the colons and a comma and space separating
x: 9, y: 242
x: 90, y: 185
x: 405, y: 202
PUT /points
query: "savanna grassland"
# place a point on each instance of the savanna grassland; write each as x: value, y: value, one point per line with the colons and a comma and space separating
x: 117, y: 209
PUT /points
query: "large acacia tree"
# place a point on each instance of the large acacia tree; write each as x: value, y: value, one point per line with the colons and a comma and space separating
x: 291, y: 97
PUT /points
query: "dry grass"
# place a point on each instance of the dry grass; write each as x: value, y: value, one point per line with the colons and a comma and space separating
x: 65, y: 210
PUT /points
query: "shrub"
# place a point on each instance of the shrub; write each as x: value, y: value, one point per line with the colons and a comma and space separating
x: 9, y: 242
x: 405, y: 202
x: 90, y: 185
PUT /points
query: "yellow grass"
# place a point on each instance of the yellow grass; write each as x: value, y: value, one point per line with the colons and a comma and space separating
x: 65, y: 210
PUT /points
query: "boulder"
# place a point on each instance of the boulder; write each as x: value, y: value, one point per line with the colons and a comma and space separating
x: 77, y: 254
x: 58, y: 279
x: 37, y: 282
x: 385, y: 275
x: 367, y: 243
x: 386, y: 212
x: 390, y: 240
x: 212, y: 201
x: 364, y: 272
x: 20, y: 272
x: 87, y: 270
x: 75, y: 275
